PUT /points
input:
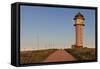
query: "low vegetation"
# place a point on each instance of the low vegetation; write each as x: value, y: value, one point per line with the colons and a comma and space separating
x: 83, y: 53
x: 36, y: 56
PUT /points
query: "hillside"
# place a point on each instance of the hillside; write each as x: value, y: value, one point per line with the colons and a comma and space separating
x: 83, y: 53
x: 37, y: 56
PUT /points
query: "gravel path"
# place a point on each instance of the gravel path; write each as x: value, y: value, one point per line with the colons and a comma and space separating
x: 59, y: 55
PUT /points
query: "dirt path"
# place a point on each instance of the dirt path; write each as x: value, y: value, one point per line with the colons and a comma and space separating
x: 59, y: 55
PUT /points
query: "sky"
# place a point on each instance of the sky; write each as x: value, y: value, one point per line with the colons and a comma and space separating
x: 51, y: 27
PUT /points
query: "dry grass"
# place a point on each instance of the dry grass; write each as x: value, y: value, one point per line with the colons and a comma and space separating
x: 37, y: 56
x: 83, y: 53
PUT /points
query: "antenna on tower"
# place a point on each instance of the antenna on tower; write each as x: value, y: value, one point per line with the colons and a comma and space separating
x: 49, y: 44
x: 45, y: 46
x: 37, y: 41
x: 52, y: 44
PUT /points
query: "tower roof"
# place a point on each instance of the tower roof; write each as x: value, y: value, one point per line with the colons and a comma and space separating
x: 79, y: 16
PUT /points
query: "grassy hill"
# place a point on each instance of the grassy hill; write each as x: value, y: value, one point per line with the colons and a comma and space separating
x: 83, y: 53
x: 35, y: 56
x: 38, y: 56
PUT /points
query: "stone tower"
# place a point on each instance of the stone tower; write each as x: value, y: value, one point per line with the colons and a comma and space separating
x: 79, y: 24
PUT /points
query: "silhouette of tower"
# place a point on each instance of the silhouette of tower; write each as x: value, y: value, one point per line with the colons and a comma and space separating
x: 79, y: 23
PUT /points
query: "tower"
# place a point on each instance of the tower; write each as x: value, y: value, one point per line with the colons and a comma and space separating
x: 79, y: 23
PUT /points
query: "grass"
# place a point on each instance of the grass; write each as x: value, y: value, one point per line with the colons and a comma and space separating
x: 83, y: 53
x: 36, y: 56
